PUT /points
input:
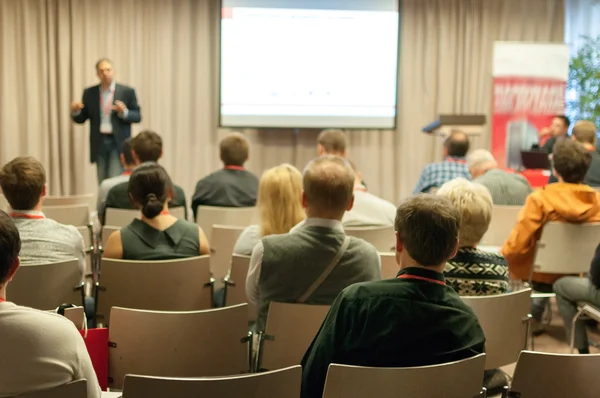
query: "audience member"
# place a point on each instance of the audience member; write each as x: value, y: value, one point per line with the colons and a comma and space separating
x: 23, y: 182
x: 332, y: 142
x: 506, y: 188
x: 568, y: 200
x: 40, y: 350
x: 368, y: 210
x: 158, y: 235
x: 434, y: 175
x: 571, y: 290
x: 279, y: 206
x: 287, y: 267
x: 106, y: 185
x: 473, y: 272
x: 558, y: 129
x: 585, y: 132
x: 233, y: 185
x: 147, y: 146
x: 412, y: 320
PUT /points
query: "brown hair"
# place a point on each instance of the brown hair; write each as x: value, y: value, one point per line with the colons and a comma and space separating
x: 428, y: 226
x: 457, y: 144
x: 234, y: 149
x: 571, y: 160
x: 22, y: 181
x: 328, y: 184
x: 584, y: 131
x: 10, y: 245
x: 148, y: 146
x: 333, y: 141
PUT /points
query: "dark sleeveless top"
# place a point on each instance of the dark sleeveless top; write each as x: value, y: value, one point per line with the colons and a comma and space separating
x: 143, y: 242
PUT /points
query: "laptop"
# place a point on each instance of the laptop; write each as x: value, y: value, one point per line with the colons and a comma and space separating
x: 535, y: 160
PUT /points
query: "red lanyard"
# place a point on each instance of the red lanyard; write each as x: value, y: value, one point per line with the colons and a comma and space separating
x: 361, y: 189
x: 456, y: 160
x: 2, y: 300
x: 30, y: 216
x: 421, y: 278
x: 126, y: 173
x: 235, y: 168
x: 106, y: 108
x: 164, y: 213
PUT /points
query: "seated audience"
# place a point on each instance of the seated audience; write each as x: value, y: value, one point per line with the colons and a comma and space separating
x: 107, y: 184
x: 434, y: 175
x: 558, y: 129
x: 40, y: 350
x: 571, y: 290
x: 279, y: 206
x: 568, y: 200
x: 286, y: 267
x: 473, y: 272
x: 506, y: 188
x: 412, y: 320
x: 158, y: 235
x: 233, y: 185
x: 23, y: 182
x: 585, y: 132
x: 332, y: 142
x: 368, y: 210
x: 147, y: 146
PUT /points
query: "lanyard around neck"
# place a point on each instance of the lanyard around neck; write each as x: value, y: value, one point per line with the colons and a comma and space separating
x: 421, y: 278
x: 23, y: 215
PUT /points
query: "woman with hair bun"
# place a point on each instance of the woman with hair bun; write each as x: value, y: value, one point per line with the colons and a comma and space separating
x: 158, y: 235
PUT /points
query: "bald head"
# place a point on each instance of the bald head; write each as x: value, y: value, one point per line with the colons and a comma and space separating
x: 328, y: 187
x: 480, y: 161
x: 456, y: 145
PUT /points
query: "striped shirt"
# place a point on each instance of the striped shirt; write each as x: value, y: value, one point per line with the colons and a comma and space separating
x: 434, y: 175
x: 507, y: 189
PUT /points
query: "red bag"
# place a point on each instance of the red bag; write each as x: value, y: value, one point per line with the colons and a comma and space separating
x: 96, y: 342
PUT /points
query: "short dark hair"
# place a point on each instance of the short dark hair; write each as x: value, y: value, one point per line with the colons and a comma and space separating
x: 571, y: 160
x: 22, y: 181
x: 428, y: 226
x: 103, y: 60
x: 457, y: 144
x: 127, y: 154
x: 234, y: 149
x: 565, y: 120
x: 10, y: 245
x: 148, y: 146
x: 149, y: 187
x: 333, y: 141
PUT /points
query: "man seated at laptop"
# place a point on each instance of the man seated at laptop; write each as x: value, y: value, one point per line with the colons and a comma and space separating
x: 412, y: 320
x: 147, y: 146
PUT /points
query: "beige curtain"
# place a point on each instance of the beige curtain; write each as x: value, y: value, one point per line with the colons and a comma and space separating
x: 168, y: 50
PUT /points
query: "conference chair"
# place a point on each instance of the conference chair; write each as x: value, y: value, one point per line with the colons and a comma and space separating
x: 505, y: 321
x: 85, y: 199
x: 289, y: 331
x: 389, y: 266
x: 177, y: 344
x: 383, y: 238
x: 166, y: 285
x: 87, y: 233
x: 207, y: 216
x: 4, y: 206
x: 74, y: 314
x: 124, y: 217
x: 74, y: 389
x: 77, y: 215
x: 460, y: 379
x: 540, y: 374
x: 235, y: 285
x: 281, y: 383
x: 44, y: 286
x: 503, y: 221
x: 107, y: 230
x: 583, y: 309
x: 221, y: 248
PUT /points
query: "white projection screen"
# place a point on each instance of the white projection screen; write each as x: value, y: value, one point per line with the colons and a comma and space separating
x: 309, y: 63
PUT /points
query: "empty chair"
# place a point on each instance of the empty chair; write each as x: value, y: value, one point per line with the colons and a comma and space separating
x: 177, y: 344
x: 289, y: 330
x: 460, y: 379
x: 207, y: 216
x: 85, y: 199
x: 77, y: 215
x: 76, y: 315
x: 389, y: 266
x: 107, y: 230
x: 74, y: 389
x: 221, y: 247
x: 235, y: 284
x: 504, y: 219
x: 169, y: 285
x: 383, y: 238
x: 504, y: 319
x: 44, y: 286
x: 281, y: 383
x: 540, y: 374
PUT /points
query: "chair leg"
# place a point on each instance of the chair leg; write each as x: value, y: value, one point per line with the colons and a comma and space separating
x: 573, y: 322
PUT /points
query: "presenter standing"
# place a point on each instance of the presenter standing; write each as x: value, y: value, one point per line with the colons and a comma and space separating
x: 111, y: 108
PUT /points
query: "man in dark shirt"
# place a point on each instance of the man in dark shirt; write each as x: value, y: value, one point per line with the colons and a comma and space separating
x: 145, y: 147
x: 558, y: 129
x: 232, y: 186
x: 412, y: 320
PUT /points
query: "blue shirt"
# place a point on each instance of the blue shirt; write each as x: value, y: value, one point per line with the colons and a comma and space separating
x: 434, y: 175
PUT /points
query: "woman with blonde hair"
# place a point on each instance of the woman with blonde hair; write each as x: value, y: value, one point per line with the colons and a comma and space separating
x: 279, y: 205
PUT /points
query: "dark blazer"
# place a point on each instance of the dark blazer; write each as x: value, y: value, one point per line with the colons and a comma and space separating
x: 121, y: 126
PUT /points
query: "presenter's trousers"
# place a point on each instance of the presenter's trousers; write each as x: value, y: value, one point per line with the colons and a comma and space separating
x: 108, y: 163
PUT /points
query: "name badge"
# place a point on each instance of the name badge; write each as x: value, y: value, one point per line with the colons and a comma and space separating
x: 106, y: 128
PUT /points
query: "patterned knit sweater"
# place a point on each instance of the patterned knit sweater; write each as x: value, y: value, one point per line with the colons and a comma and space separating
x: 474, y: 272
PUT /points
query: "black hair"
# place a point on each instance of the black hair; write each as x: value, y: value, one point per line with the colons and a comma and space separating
x: 149, y: 187
x: 565, y: 120
x: 457, y: 144
x: 10, y: 245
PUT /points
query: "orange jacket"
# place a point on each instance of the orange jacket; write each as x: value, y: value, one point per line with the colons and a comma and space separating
x: 563, y: 202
